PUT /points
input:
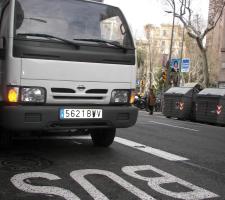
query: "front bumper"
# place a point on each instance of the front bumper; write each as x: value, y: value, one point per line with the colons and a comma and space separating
x: 47, y: 118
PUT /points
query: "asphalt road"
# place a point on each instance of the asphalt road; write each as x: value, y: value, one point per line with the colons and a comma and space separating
x: 158, y: 158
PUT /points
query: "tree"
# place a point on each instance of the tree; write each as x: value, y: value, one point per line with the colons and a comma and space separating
x: 149, y: 58
x: 192, y: 51
x: 153, y: 53
x: 141, y: 56
x: 192, y: 23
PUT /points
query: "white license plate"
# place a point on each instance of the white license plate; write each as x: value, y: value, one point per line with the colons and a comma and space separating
x: 80, y: 114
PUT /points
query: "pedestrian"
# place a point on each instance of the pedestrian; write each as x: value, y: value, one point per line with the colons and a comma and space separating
x: 151, y: 101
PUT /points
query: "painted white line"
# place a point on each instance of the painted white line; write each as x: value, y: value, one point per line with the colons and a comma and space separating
x: 147, y: 113
x: 153, y: 116
x: 180, y: 127
x: 150, y: 150
x: 142, y: 111
x: 141, y: 147
x: 163, y: 117
x: 75, y: 142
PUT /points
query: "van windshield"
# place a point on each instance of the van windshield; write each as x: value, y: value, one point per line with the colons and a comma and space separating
x: 71, y: 20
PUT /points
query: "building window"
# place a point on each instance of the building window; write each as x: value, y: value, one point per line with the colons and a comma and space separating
x: 164, y: 33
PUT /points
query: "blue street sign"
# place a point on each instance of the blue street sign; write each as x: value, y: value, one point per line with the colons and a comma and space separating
x: 185, y: 65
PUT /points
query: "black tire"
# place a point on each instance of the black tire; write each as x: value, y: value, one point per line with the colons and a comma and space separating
x: 168, y: 117
x: 103, y: 137
x: 5, y: 139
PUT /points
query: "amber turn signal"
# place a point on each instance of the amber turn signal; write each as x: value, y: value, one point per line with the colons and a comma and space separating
x: 132, y: 97
x: 13, y: 95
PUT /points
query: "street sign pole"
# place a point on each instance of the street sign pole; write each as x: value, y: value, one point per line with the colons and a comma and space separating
x: 181, y: 57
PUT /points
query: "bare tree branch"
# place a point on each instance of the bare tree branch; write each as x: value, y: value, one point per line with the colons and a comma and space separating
x: 193, y: 25
x: 212, y: 26
x: 170, y: 3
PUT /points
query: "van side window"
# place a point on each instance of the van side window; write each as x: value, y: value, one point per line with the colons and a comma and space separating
x: 112, y: 29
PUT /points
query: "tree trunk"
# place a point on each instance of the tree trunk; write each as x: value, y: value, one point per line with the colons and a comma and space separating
x: 205, y: 68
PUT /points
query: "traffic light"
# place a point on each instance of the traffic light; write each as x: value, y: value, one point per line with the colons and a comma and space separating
x: 142, y: 83
x: 164, y: 76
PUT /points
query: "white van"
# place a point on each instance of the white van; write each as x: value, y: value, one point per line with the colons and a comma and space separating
x: 65, y: 64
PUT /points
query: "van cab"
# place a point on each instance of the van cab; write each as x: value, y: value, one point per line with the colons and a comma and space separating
x: 65, y: 64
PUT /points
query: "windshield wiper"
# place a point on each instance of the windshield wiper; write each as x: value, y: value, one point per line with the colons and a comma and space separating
x: 105, y: 42
x: 49, y: 37
x: 37, y: 19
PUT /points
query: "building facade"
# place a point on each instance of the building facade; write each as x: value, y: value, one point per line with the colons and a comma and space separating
x: 216, y: 48
x: 161, y: 35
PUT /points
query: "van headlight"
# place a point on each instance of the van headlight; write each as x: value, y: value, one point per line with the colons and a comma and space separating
x: 33, y: 95
x: 120, y: 96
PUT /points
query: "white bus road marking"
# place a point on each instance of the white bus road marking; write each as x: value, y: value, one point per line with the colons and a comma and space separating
x: 150, y: 150
x: 156, y: 183
x: 79, y: 177
x: 23, y: 183
x: 20, y: 182
x: 170, y: 125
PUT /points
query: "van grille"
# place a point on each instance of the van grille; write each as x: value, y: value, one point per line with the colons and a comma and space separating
x: 63, y: 90
x: 71, y: 94
x: 97, y: 91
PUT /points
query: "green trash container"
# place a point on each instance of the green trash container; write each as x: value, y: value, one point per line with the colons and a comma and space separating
x: 210, y: 106
x: 179, y: 102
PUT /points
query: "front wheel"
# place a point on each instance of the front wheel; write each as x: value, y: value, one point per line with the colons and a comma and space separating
x: 103, y: 137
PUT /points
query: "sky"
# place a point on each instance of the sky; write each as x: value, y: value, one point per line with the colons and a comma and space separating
x: 141, y: 12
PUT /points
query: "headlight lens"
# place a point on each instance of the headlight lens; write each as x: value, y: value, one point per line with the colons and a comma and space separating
x: 120, y: 96
x: 32, y: 95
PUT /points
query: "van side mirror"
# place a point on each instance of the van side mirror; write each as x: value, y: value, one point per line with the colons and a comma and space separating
x: 2, y: 48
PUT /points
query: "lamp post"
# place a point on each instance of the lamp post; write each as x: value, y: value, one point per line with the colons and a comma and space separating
x: 171, y: 49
